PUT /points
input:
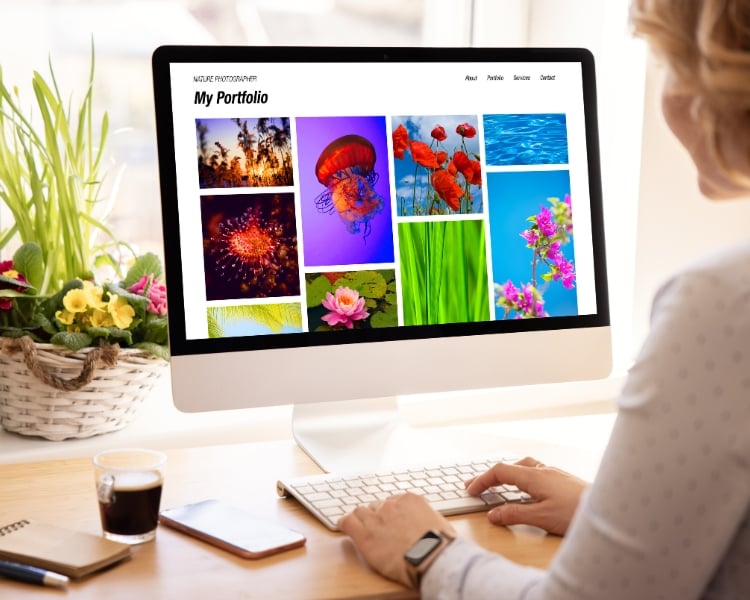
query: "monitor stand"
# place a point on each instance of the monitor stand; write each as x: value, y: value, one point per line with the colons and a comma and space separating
x: 367, y: 436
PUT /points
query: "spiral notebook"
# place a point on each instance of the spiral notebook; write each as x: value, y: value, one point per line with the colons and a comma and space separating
x: 71, y: 553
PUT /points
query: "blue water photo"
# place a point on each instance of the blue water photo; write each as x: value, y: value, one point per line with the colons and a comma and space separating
x: 521, y: 139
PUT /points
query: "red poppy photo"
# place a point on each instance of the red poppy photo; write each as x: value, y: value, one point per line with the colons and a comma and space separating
x: 437, y: 165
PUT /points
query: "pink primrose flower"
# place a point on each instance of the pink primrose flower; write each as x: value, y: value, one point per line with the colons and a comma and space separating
x: 155, y: 291
x: 7, y: 270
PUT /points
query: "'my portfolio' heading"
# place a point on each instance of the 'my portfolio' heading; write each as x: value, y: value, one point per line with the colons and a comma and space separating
x: 244, y: 97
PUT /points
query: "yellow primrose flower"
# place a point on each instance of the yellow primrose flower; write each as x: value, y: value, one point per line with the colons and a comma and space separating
x: 75, y: 301
x: 122, y: 313
x: 101, y: 318
x: 94, y: 295
x: 65, y: 317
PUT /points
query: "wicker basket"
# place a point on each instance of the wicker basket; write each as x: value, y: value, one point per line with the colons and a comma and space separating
x: 54, y: 393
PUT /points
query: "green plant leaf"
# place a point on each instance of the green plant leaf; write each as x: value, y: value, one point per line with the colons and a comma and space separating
x: 386, y: 318
x: 71, y: 340
x: 44, y: 323
x: 155, y: 330
x: 98, y: 332
x: 316, y: 291
x: 121, y: 335
x: 135, y: 300
x: 5, y: 293
x: 28, y: 261
x: 105, y: 260
x: 146, y: 264
x: 215, y: 330
x: 370, y: 284
x: 155, y: 349
x: 11, y: 331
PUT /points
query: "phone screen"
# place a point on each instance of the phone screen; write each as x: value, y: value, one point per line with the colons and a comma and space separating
x: 232, y: 528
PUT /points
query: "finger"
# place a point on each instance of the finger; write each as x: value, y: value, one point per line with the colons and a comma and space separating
x: 360, y: 518
x: 515, y: 514
x: 502, y: 473
x: 351, y: 525
x: 529, y: 461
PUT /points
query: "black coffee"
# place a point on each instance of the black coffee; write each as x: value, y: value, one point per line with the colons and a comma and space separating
x: 134, y: 506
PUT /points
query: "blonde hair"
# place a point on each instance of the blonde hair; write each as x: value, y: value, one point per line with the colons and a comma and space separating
x: 706, y: 45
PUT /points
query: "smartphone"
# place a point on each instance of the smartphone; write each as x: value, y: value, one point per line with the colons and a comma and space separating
x: 231, y: 529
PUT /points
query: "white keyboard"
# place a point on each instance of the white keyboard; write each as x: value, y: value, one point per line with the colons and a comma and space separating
x: 330, y: 496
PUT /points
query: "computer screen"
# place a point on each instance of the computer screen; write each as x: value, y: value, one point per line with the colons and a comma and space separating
x: 345, y: 224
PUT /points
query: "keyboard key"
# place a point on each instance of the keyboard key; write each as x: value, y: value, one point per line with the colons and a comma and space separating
x: 455, y: 505
x: 333, y: 511
x: 492, y: 498
x: 317, y: 496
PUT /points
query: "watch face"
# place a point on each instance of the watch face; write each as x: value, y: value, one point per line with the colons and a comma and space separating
x: 422, y: 548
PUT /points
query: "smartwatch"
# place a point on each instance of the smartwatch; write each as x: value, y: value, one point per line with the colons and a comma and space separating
x: 424, y: 551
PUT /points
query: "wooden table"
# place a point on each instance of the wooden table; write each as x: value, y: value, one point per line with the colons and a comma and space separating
x: 176, y: 566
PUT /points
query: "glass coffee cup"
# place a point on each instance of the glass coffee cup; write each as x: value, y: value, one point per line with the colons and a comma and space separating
x: 129, y: 484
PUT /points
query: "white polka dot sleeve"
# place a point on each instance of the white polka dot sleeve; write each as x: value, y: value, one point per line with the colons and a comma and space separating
x: 668, y: 514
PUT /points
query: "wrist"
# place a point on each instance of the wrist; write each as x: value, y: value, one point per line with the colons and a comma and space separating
x: 423, y: 553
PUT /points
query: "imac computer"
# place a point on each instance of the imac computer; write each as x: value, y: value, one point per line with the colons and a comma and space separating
x: 343, y: 226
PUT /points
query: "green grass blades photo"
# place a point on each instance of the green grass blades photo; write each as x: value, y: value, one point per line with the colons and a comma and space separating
x: 443, y: 272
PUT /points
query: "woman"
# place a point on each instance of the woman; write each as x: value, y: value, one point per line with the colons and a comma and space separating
x: 668, y: 515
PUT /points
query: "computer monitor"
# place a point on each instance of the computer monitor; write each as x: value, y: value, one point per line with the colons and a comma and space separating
x: 347, y: 225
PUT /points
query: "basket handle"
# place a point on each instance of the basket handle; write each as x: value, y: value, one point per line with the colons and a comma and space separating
x: 104, y: 356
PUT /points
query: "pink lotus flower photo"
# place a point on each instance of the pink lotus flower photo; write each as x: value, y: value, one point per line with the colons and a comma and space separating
x: 345, y: 307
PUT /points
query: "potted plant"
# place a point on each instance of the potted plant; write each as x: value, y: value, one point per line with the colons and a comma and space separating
x: 67, y: 335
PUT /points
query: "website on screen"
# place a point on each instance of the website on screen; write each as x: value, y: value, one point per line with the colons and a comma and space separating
x: 329, y: 197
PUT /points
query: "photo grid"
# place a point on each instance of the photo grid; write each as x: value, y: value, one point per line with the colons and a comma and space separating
x: 327, y: 224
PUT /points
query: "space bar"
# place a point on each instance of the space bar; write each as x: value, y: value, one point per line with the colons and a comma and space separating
x: 458, y: 505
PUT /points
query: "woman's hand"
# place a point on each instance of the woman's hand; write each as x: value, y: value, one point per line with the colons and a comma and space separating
x: 556, y: 494
x: 384, y: 530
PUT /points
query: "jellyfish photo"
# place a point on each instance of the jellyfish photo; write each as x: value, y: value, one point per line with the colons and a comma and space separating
x: 345, y: 197
x: 345, y: 167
